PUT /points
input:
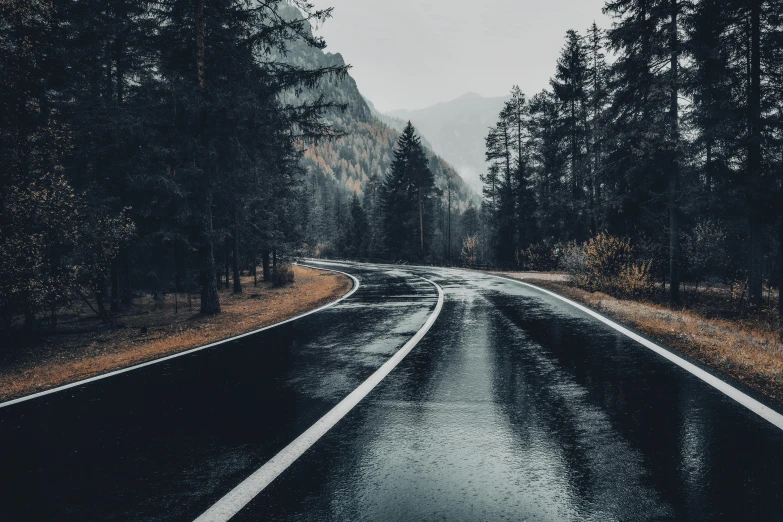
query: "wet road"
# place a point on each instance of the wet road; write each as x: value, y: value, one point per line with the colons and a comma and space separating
x: 514, y: 406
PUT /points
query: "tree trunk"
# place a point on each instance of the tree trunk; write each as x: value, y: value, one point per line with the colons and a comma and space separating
x: 780, y: 241
x: 574, y: 175
x: 274, y: 258
x: 201, y: 51
x: 101, y: 308
x: 708, y: 168
x: 176, y: 279
x: 754, y: 158
x: 56, y: 254
x: 6, y: 316
x: 449, y: 221
x: 127, y: 289
x: 780, y: 259
x: 210, y: 298
x: 255, y: 271
x: 227, y: 260
x: 115, y: 285
x: 421, y: 222
x: 235, y: 260
x: 674, y: 172
x: 265, y: 265
x: 29, y: 320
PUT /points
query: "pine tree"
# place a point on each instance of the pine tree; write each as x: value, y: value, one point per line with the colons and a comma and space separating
x: 645, y: 116
x: 548, y: 158
x: 525, y: 211
x: 570, y: 87
x: 674, y: 153
x: 373, y: 207
x: 226, y: 99
x: 755, y: 209
x: 499, y: 154
x: 406, y: 194
x: 597, y: 100
x: 358, y: 230
x: 710, y: 84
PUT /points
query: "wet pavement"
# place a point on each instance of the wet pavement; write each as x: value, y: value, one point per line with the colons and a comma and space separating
x: 515, y: 406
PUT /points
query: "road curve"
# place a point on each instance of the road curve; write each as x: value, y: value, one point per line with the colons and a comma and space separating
x: 514, y: 406
x: 518, y: 406
x: 167, y: 440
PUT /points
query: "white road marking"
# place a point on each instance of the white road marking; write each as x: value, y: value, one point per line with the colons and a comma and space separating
x: 750, y: 403
x: 188, y: 352
x: 237, y: 498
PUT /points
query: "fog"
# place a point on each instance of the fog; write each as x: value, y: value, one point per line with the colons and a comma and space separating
x: 409, y: 54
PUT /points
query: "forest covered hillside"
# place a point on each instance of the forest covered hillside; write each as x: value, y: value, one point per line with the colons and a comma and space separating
x: 336, y: 169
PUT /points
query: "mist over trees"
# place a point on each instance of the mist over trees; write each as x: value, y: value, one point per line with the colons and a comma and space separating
x: 370, y: 180
x: 665, y: 129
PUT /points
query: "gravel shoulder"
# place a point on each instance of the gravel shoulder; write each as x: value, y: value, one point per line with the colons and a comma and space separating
x: 749, y: 351
x: 82, y: 348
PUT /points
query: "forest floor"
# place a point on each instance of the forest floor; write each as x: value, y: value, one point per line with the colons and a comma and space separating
x: 708, y: 328
x: 84, y: 348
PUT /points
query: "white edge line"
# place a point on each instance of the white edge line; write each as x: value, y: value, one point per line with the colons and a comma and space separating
x: 765, y: 412
x: 192, y: 350
x: 242, y: 494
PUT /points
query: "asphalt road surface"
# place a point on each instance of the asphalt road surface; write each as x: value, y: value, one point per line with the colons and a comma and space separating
x: 514, y: 405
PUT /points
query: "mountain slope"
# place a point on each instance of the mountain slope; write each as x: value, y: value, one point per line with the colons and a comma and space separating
x: 337, y: 170
x: 367, y: 147
x: 456, y: 130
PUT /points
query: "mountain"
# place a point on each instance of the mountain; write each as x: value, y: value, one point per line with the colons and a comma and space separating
x: 367, y: 147
x: 397, y: 124
x: 456, y: 131
x: 336, y: 170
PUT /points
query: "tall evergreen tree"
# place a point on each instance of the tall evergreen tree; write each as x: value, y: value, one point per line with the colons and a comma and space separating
x: 526, y: 228
x: 598, y: 98
x: 570, y: 86
x: 645, y: 116
x: 548, y: 157
x: 358, y: 230
x: 406, y: 195
x: 500, y: 155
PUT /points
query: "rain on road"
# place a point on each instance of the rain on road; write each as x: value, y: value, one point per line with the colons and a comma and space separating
x: 514, y: 406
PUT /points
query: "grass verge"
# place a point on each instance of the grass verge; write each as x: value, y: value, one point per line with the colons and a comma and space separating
x: 150, y: 332
x: 745, y: 349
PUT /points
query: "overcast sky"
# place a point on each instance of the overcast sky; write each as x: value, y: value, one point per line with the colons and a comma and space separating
x: 409, y: 54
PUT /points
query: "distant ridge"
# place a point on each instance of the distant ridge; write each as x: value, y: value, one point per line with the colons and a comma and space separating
x: 366, y: 150
x: 456, y: 130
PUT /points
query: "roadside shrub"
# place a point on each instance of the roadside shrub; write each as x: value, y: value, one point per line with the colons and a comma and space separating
x: 324, y: 250
x: 607, y: 264
x: 605, y: 257
x: 574, y: 263
x: 635, y: 280
x: 282, y: 275
x: 470, y: 246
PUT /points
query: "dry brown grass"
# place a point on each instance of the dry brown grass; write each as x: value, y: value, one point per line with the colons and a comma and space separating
x: 747, y: 350
x: 535, y: 276
x: 149, y: 334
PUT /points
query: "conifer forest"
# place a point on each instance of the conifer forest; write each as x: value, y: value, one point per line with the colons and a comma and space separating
x: 325, y: 260
x: 149, y: 147
x: 666, y: 129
